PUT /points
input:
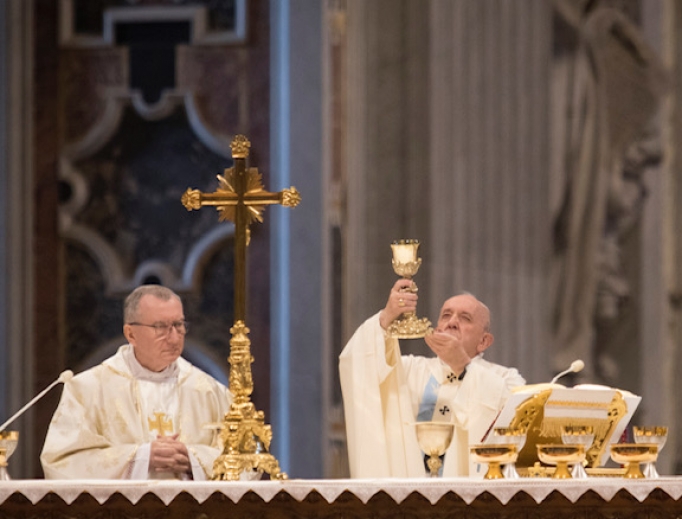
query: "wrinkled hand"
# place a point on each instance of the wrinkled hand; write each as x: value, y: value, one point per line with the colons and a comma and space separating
x: 167, y: 454
x: 399, y: 302
x: 449, y: 349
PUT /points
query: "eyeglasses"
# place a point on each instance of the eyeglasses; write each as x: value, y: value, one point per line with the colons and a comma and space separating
x: 164, y: 329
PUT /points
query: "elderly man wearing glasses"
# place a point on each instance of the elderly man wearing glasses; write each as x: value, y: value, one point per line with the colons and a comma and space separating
x: 141, y: 413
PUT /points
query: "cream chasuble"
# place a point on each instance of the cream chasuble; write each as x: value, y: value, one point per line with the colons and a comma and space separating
x: 108, y: 415
x: 384, y: 394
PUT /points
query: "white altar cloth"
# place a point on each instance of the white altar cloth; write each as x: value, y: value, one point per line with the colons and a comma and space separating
x: 330, y: 489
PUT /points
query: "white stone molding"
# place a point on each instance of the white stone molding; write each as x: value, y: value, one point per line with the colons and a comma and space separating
x: 201, y: 252
x: 217, y: 142
x: 117, y: 99
x: 196, y: 15
x: 104, y: 255
x: 99, y: 133
x: 119, y: 282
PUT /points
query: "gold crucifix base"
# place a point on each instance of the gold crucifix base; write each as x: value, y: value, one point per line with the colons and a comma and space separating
x: 246, y: 440
x: 245, y: 436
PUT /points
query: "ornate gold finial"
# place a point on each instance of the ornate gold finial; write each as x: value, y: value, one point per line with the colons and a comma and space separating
x: 240, y: 147
x: 191, y: 199
x: 290, y: 197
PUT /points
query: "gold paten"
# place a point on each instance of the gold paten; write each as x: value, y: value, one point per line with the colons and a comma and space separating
x: 530, y: 417
x: 406, y: 264
x: 241, y: 198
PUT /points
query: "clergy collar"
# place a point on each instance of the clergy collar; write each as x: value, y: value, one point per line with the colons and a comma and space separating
x: 141, y: 373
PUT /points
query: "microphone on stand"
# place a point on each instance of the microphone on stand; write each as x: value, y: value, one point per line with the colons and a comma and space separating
x: 576, y: 366
x: 64, y: 377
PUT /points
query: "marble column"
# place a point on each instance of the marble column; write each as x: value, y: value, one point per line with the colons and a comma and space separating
x: 490, y: 227
x: 16, y: 224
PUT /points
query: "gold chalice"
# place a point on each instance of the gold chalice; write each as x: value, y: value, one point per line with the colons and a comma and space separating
x: 561, y: 455
x: 406, y: 264
x: 578, y: 435
x: 516, y: 437
x: 632, y: 454
x: 494, y: 454
x: 650, y: 434
x: 8, y: 444
x: 434, y: 438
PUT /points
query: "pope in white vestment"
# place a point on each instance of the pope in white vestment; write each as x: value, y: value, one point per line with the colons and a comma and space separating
x: 385, y: 393
x: 143, y: 413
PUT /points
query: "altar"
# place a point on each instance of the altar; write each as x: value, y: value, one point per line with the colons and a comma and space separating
x: 424, y: 498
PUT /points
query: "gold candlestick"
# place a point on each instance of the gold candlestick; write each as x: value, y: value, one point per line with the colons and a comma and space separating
x: 406, y: 264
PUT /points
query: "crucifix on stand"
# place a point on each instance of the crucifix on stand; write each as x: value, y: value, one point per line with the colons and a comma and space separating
x: 241, y: 199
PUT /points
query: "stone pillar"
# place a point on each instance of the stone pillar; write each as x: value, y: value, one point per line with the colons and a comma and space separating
x: 490, y: 227
x: 16, y: 225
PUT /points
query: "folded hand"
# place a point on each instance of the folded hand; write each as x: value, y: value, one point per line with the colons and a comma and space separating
x: 167, y: 454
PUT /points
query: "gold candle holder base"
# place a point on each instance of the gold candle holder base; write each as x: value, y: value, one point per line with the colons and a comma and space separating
x: 245, y: 436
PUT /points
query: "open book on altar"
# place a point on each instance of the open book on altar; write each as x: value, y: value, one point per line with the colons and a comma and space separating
x: 542, y: 409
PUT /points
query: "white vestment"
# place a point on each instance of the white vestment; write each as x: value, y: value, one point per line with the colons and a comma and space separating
x: 384, y: 394
x: 109, y: 415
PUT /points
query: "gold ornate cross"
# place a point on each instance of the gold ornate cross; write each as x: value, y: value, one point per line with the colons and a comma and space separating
x: 241, y: 199
x: 161, y: 423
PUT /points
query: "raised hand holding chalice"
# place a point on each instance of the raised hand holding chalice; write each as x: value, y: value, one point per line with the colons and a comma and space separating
x: 406, y: 264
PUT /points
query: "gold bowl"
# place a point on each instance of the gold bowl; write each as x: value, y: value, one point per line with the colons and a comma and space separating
x: 494, y: 454
x: 9, y: 441
x: 434, y: 438
x: 561, y: 455
x: 632, y: 454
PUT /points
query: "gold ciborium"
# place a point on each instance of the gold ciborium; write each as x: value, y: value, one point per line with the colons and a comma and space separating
x: 632, y: 454
x: 578, y: 435
x: 434, y: 438
x: 561, y: 455
x: 8, y: 444
x: 516, y: 437
x: 406, y: 264
x: 494, y: 454
x: 650, y: 434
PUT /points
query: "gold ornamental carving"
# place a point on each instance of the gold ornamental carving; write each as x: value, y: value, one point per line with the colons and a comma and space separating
x: 241, y: 198
x: 530, y: 417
